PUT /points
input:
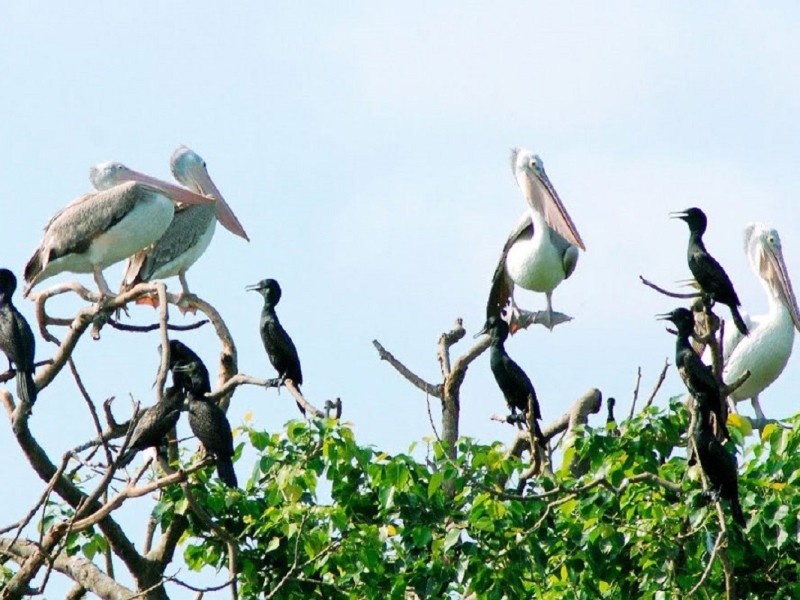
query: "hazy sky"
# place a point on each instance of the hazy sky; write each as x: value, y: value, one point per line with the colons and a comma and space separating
x: 365, y: 150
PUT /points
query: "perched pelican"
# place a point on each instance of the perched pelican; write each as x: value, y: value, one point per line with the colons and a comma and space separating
x: 16, y: 339
x: 709, y: 274
x: 766, y: 350
x: 101, y: 228
x: 190, y: 232
x: 511, y: 379
x: 542, y: 250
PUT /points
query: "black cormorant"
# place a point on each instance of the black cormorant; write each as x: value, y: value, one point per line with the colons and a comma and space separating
x: 512, y: 380
x: 207, y: 420
x: 181, y: 354
x: 710, y: 276
x: 611, y: 422
x: 16, y: 339
x: 155, y: 423
x: 717, y: 463
x: 697, y: 376
x: 279, y: 346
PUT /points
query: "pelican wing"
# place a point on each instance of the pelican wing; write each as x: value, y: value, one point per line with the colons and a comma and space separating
x: 502, y: 284
x: 187, y: 227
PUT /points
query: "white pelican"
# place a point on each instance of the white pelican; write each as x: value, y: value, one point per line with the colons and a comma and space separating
x: 766, y: 350
x: 101, y: 228
x: 191, y: 229
x: 542, y: 250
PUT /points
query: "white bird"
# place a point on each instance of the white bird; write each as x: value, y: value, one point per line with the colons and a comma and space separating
x: 542, y: 250
x: 191, y: 229
x: 99, y: 229
x: 766, y: 350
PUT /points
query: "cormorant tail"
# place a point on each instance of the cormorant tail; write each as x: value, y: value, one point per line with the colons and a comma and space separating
x: 126, y: 458
x: 738, y: 515
x: 226, y: 472
x: 737, y: 319
x: 26, y: 388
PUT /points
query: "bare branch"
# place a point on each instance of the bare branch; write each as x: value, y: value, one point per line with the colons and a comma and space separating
x: 446, y: 341
x: 309, y: 408
x: 657, y: 386
x: 635, y: 392
x: 666, y: 292
x: 413, y: 378
x: 152, y: 327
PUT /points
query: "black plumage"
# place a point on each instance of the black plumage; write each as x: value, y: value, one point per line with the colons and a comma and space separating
x: 696, y: 375
x: 155, y: 423
x: 207, y: 420
x: 511, y: 379
x: 280, y: 348
x: 611, y: 422
x: 717, y: 463
x: 709, y: 274
x: 181, y: 354
x: 16, y: 339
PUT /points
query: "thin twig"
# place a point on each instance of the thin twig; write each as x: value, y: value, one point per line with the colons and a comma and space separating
x: 413, y: 378
x: 147, y: 328
x: 657, y: 386
x: 635, y: 392
x: 666, y: 292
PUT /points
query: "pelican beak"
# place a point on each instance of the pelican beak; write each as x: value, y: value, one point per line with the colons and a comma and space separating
x: 773, y: 270
x: 225, y: 214
x: 542, y: 197
x: 171, y: 191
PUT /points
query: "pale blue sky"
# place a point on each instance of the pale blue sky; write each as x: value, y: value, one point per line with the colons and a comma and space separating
x: 365, y: 147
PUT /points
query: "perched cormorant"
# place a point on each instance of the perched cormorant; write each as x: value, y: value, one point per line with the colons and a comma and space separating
x: 279, y: 346
x: 710, y: 276
x: 765, y: 352
x: 717, y: 463
x: 542, y: 250
x: 180, y: 355
x: 16, y: 339
x: 512, y: 380
x: 207, y: 420
x: 611, y: 422
x: 154, y: 423
x: 697, y: 376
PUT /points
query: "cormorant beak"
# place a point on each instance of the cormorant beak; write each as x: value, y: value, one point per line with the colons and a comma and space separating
x: 664, y: 317
x: 678, y: 215
x: 485, y: 330
x: 256, y: 287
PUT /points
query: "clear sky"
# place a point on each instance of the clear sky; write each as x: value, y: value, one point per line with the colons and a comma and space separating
x: 364, y: 147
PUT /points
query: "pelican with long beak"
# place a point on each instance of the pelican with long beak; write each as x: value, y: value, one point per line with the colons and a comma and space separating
x: 190, y: 232
x: 542, y: 250
x: 96, y: 230
x: 766, y: 350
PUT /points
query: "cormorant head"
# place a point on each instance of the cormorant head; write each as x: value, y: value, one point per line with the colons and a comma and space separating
x: 682, y: 318
x: 496, y: 327
x: 269, y: 288
x: 610, y: 403
x: 181, y: 353
x: 694, y: 217
x: 191, y: 376
x: 8, y: 284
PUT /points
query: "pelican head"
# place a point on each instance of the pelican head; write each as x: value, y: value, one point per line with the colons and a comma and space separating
x: 763, y: 248
x: 106, y: 175
x: 694, y: 217
x: 188, y: 168
x: 269, y: 288
x: 541, y: 195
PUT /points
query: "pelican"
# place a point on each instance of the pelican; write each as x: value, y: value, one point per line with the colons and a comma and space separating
x: 190, y: 232
x: 766, y: 350
x: 542, y: 250
x: 98, y: 229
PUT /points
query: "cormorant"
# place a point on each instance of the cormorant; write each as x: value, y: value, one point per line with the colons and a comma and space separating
x: 180, y: 355
x: 16, y: 339
x: 512, y: 380
x: 611, y: 422
x: 155, y: 423
x: 697, y: 376
x: 279, y: 346
x: 710, y: 276
x: 542, y: 250
x: 207, y: 420
x: 717, y: 463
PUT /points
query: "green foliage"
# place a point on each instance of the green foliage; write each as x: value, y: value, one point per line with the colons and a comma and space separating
x: 322, y: 517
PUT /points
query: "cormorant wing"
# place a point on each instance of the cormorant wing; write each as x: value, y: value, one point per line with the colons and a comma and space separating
x: 521, y: 382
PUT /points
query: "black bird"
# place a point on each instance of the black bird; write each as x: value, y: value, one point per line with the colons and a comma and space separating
x: 717, y: 463
x: 697, y: 376
x: 710, y: 276
x: 512, y: 380
x: 155, y: 423
x: 16, y: 339
x: 207, y: 420
x: 181, y: 355
x: 611, y: 422
x: 279, y: 346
